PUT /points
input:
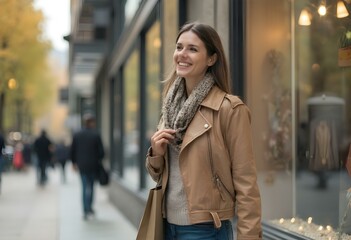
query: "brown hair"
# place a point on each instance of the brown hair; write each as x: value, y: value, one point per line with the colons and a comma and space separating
x: 213, y: 44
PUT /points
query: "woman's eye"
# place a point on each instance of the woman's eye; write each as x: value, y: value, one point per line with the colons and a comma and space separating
x: 193, y: 49
x: 178, y: 47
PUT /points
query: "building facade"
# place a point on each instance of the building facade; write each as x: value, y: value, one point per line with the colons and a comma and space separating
x: 290, y: 63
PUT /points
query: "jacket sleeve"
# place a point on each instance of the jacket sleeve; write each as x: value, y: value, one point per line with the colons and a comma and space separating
x: 248, y: 201
x: 154, y: 165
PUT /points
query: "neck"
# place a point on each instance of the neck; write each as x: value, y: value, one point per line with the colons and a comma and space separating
x: 191, y: 83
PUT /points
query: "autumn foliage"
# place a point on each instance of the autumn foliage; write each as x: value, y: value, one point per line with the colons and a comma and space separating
x: 23, y: 58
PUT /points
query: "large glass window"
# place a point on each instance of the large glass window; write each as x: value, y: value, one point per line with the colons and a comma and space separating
x: 153, y: 93
x: 323, y: 119
x: 298, y: 89
x: 268, y: 94
x: 131, y: 120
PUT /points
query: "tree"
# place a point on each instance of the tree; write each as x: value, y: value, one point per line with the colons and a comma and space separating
x: 23, y: 58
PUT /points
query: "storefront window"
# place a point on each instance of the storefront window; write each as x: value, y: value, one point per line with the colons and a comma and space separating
x: 298, y: 89
x: 131, y: 118
x: 153, y: 86
x: 323, y: 119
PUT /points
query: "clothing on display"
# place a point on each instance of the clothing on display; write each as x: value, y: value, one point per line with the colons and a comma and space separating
x: 323, y: 145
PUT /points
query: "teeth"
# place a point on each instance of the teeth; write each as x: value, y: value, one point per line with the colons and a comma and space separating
x: 184, y: 64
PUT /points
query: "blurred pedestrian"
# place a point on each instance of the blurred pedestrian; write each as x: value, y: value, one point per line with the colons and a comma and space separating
x: 27, y: 152
x: 2, y: 160
x: 61, y: 157
x: 86, y: 154
x: 44, y: 149
x: 18, y: 162
x: 202, y: 151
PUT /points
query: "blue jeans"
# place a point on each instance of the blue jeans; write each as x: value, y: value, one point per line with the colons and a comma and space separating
x: 88, y: 192
x: 201, y: 231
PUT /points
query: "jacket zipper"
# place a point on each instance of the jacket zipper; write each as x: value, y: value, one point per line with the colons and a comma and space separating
x: 221, y: 185
x: 218, y: 183
x: 216, y: 178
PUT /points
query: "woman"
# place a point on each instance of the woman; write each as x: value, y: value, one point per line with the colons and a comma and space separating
x: 202, y: 151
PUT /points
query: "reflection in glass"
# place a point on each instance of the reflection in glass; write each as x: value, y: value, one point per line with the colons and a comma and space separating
x: 131, y: 116
x: 153, y: 101
x: 322, y: 181
x: 269, y: 97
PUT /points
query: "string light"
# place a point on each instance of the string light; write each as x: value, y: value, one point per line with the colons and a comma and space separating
x: 322, y: 10
x: 341, y: 10
x: 305, y: 18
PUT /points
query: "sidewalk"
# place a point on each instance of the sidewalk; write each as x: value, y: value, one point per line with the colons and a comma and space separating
x: 53, y: 212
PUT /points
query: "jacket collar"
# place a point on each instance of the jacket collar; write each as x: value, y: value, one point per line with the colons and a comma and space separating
x: 214, y: 98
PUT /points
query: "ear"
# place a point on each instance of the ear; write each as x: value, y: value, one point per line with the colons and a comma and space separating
x: 212, y: 60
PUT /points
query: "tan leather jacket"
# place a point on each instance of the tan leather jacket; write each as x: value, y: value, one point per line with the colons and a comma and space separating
x: 221, y: 129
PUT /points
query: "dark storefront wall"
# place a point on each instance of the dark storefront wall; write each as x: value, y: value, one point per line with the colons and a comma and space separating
x: 298, y: 91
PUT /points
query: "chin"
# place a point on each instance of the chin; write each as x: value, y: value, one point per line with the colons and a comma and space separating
x: 181, y: 74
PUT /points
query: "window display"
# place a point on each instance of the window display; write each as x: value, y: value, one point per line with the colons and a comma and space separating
x: 298, y: 85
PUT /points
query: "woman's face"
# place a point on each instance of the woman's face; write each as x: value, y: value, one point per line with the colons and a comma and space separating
x: 190, y: 57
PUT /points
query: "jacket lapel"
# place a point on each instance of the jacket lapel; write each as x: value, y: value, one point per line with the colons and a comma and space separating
x: 198, y: 126
x: 203, y: 119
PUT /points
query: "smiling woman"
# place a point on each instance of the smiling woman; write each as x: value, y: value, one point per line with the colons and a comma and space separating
x: 198, y: 110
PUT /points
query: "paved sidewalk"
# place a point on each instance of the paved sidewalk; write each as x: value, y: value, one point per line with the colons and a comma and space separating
x: 53, y: 212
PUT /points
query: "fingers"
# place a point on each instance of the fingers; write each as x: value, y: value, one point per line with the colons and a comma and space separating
x: 165, y: 133
x: 160, y: 140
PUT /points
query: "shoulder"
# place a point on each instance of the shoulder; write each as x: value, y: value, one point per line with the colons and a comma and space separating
x: 233, y: 100
x: 233, y: 105
x: 219, y: 100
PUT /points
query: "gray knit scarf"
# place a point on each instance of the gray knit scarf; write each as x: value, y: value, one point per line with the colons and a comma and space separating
x: 178, y: 110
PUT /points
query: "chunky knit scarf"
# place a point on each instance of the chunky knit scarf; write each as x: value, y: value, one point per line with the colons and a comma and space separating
x: 178, y: 110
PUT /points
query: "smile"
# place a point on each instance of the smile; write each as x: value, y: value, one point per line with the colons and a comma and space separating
x: 183, y: 64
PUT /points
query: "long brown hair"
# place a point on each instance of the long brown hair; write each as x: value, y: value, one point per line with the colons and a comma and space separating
x: 213, y: 44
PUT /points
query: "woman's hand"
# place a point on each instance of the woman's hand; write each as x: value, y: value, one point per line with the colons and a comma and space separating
x: 159, y: 141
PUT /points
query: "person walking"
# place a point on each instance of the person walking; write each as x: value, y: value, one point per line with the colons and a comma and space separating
x: 43, y: 148
x: 61, y: 157
x: 86, y: 154
x: 202, y: 151
x: 27, y: 152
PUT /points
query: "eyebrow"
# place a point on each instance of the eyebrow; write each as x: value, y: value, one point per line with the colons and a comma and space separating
x: 190, y: 45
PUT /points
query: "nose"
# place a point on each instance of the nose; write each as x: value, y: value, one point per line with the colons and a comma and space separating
x: 182, y: 53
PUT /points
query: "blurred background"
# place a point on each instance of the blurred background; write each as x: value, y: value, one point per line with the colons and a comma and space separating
x: 33, y: 67
x: 289, y: 60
